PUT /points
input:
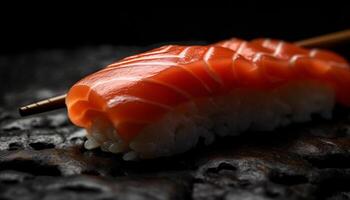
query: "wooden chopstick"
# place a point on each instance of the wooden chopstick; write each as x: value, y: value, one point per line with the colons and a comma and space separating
x: 327, y: 40
x: 59, y: 101
x: 52, y: 103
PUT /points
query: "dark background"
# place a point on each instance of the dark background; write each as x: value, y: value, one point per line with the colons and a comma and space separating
x: 46, y: 50
x: 71, y: 27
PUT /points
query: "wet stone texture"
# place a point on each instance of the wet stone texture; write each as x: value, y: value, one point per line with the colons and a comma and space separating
x: 41, y: 157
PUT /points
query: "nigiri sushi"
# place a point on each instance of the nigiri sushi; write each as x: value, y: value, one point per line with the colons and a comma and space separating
x: 164, y: 101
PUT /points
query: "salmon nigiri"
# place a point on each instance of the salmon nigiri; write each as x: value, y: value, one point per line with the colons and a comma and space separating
x: 164, y: 101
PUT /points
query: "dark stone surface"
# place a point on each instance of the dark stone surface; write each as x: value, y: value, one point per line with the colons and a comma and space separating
x: 41, y: 157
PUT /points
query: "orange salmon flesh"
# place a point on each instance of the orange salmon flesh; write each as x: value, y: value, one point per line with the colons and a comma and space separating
x: 138, y: 90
